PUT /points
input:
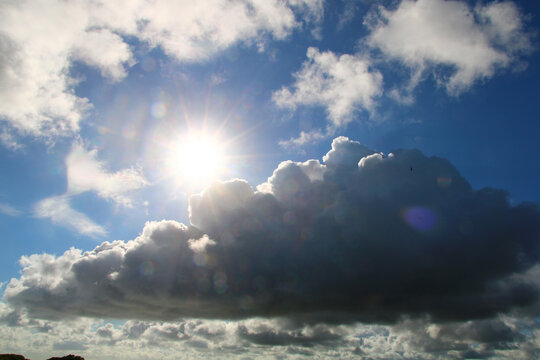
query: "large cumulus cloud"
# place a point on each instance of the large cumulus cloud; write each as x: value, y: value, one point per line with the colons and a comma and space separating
x: 362, y: 236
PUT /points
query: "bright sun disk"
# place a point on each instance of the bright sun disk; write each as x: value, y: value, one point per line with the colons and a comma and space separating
x: 197, y: 157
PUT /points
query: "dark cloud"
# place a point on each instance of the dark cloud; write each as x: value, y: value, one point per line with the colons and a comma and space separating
x: 12, y: 319
x: 502, y: 337
x: 270, y: 334
x: 134, y: 329
x: 480, y: 336
x: 299, y: 351
x: 360, y: 237
x: 199, y: 344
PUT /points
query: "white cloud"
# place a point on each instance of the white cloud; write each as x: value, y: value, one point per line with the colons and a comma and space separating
x: 303, y: 139
x: 40, y: 40
x: 347, y: 15
x: 210, y: 26
x: 36, y: 40
x: 342, y: 84
x: 9, y: 210
x: 104, y: 50
x: 458, y: 44
x: 86, y: 173
x: 9, y: 140
x: 59, y: 210
x: 473, y: 43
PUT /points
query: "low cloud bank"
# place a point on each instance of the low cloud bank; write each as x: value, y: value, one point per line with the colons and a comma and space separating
x: 360, y: 237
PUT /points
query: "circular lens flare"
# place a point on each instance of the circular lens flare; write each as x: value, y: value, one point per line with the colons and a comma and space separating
x: 420, y: 218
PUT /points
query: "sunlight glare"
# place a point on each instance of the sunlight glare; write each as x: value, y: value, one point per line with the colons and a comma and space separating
x: 196, y: 157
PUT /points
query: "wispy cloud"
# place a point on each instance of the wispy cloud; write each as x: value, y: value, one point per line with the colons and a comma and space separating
x: 9, y: 140
x: 305, y: 137
x: 86, y: 173
x: 9, y: 210
x: 59, y: 210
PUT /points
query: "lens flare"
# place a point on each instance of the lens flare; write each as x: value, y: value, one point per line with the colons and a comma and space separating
x: 420, y: 218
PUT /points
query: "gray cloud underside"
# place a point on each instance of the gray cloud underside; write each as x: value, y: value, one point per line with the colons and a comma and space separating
x: 361, y: 237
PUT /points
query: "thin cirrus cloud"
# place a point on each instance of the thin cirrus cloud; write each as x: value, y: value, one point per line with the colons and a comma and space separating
x: 37, y: 87
x: 318, y: 243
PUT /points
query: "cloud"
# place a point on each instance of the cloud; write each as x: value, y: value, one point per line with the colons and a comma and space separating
x: 9, y: 140
x: 457, y: 44
x: 502, y: 337
x: 58, y: 209
x: 274, y: 333
x: 348, y: 13
x: 303, y: 139
x: 86, y: 173
x: 105, y: 51
x: 35, y: 73
x: 209, y: 27
x: 343, y: 84
x: 9, y: 210
x: 36, y: 87
x: 469, y: 44
x: 362, y: 237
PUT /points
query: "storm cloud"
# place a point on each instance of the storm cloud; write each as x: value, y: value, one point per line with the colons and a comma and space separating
x: 362, y: 236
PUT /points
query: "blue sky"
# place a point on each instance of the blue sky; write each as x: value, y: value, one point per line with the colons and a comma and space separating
x: 98, y: 102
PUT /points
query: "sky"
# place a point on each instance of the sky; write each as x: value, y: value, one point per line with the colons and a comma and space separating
x: 270, y: 179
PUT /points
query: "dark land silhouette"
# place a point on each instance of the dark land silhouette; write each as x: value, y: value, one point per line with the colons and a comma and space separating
x: 12, y: 357
x: 20, y: 357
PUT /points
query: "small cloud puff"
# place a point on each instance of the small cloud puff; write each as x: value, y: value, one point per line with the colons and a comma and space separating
x: 343, y: 84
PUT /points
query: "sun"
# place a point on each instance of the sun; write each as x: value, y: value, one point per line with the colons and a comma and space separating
x: 196, y: 158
